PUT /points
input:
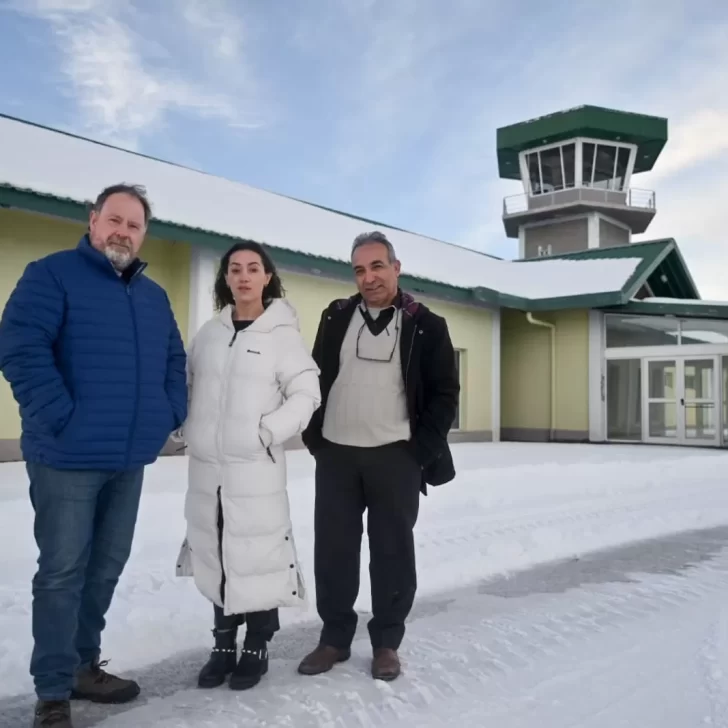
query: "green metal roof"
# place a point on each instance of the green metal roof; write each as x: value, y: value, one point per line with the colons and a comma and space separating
x: 649, y: 133
x: 659, y: 259
x: 69, y: 209
x: 351, y: 215
x: 663, y: 267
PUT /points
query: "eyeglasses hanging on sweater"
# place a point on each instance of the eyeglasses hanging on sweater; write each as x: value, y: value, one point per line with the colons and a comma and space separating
x: 378, y: 336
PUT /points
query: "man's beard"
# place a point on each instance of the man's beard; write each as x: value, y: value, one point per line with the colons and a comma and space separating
x: 119, y: 257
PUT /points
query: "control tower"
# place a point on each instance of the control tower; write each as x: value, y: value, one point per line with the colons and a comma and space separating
x: 576, y: 168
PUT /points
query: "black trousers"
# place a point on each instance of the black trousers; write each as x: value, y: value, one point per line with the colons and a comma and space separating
x: 385, y: 481
x: 261, y: 625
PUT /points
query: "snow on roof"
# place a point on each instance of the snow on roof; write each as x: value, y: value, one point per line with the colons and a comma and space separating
x: 54, y: 163
x: 680, y: 301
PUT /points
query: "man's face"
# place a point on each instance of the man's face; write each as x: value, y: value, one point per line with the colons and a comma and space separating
x: 118, y: 229
x: 376, y: 278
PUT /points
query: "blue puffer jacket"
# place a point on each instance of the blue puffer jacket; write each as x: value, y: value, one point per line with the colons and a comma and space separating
x: 95, y: 361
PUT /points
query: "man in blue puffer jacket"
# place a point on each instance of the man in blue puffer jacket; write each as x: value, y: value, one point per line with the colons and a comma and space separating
x: 95, y: 360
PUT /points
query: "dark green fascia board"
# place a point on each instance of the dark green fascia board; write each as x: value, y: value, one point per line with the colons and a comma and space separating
x: 680, y: 275
x: 564, y: 303
x: 12, y: 197
x: 668, y: 262
x: 66, y: 209
x: 556, y: 303
x: 644, y: 269
x: 648, y: 132
x: 682, y: 310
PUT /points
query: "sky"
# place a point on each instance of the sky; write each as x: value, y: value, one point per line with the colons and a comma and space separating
x: 386, y: 109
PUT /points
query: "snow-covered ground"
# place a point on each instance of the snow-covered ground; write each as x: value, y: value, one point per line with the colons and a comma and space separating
x: 518, y: 622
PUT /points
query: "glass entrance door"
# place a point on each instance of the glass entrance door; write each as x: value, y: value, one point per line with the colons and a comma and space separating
x: 701, y: 401
x: 660, y: 420
x: 682, y: 401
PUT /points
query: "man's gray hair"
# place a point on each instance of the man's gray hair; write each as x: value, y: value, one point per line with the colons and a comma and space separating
x: 138, y: 192
x: 374, y: 237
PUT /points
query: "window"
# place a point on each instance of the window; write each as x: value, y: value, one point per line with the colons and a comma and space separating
x: 703, y: 331
x: 551, y: 169
x: 724, y: 367
x: 457, y: 424
x: 622, y: 163
x: 604, y: 166
x: 624, y: 399
x: 630, y: 331
x: 641, y: 331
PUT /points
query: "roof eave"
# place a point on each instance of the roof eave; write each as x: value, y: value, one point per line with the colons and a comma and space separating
x: 75, y: 211
x: 682, y: 310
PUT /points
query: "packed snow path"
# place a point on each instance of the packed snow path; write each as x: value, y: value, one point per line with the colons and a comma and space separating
x: 632, y: 636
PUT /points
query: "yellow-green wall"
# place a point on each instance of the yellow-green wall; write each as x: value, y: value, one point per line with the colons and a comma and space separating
x: 525, y: 371
x: 470, y: 330
x: 25, y: 237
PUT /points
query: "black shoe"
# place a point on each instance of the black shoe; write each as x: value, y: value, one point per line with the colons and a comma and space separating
x: 222, y: 659
x: 53, y: 714
x: 251, y: 667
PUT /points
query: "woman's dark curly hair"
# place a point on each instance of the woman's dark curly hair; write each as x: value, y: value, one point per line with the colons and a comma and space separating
x: 223, y: 294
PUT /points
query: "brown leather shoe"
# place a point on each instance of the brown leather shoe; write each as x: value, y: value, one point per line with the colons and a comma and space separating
x: 322, y: 659
x: 385, y: 665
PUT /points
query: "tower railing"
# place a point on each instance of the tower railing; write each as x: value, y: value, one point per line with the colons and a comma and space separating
x: 633, y: 197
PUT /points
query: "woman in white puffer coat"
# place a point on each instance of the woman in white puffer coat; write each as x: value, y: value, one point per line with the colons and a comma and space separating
x: 253, y: 386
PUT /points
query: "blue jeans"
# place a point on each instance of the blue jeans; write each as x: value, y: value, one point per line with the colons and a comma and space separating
x: 84, y: 526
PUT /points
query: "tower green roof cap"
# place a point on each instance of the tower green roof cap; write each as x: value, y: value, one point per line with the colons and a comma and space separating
x: 649, y: 133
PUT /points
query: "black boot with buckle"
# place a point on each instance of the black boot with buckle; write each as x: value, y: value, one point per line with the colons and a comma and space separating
x: 252, y: 665
x: 223, y: 657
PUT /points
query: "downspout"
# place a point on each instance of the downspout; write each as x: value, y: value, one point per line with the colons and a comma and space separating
x: 552, y: 334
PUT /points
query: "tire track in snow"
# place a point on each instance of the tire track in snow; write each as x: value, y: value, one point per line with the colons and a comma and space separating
x: 474, y: 659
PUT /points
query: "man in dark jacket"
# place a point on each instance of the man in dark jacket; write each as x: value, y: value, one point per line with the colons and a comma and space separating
x: 390, y: 389
x: 95, y: 360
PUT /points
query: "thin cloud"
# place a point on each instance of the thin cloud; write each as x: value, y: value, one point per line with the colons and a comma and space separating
x: 219, y: 25
x: 124, y: 83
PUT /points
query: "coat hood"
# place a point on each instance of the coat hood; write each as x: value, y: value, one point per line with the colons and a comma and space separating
x: 278, y: 313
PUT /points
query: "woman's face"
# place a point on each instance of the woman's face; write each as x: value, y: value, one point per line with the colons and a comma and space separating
x: 246, y: 276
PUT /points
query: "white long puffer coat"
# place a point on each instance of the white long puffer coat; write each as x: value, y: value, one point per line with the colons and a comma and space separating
x: 249, y: 394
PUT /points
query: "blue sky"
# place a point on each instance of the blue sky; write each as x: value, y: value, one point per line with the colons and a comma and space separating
x: 384, y: 108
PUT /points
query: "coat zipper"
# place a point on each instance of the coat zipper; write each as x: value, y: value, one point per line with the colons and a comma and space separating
x: 223, y: 394
x: 220, y: 527
x: 218, y: 439
x: 135, y: 326
x: 409, y: 359
x: 320, y: 411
